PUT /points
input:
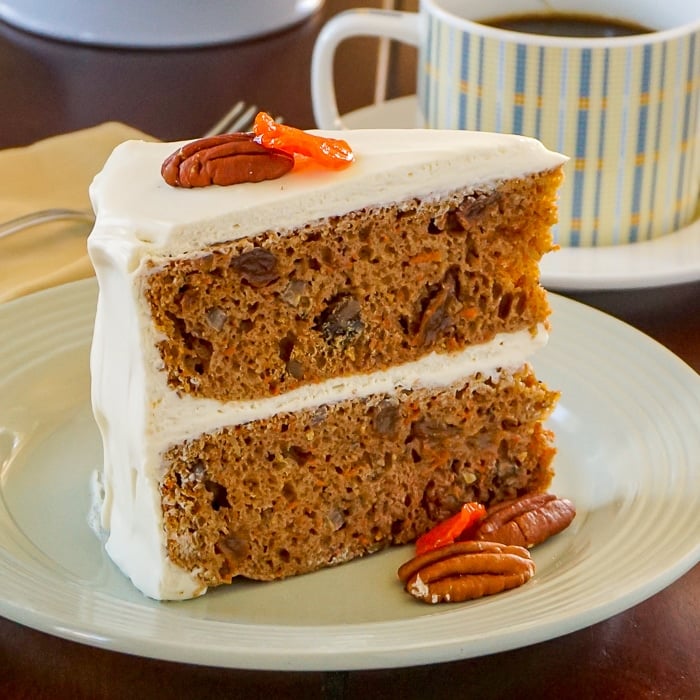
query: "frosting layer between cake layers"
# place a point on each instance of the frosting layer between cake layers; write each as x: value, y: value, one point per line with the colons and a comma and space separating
x: 142, y: 223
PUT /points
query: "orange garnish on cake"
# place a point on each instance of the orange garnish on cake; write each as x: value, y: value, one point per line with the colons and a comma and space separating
x: 328, y: 152
x: 269, y: 152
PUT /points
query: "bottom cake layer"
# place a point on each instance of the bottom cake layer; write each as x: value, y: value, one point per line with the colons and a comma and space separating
x: 301, y: 491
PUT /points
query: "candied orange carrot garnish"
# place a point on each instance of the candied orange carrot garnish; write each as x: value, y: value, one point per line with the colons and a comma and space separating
x: 449, y: 530
x: 331, y: 153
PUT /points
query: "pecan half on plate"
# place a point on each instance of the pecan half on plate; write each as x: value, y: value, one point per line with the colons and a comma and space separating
x: 466, y: 570
x: 526, y: 521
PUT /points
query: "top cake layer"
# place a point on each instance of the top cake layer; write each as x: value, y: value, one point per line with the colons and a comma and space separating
x: 390, y: 166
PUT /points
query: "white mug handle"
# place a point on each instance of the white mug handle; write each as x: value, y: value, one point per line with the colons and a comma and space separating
x: 401, y: 26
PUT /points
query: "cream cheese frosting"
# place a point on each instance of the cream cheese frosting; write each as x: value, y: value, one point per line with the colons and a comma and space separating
x: 142, y: 219
x: 135, y: 206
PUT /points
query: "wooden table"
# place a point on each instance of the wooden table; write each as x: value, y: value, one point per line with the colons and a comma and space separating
x: 651, y: 650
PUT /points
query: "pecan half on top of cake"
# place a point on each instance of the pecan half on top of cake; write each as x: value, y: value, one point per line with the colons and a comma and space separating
x: 266, y: 153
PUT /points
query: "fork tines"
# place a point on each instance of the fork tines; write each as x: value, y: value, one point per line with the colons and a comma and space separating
x: 238, y: 117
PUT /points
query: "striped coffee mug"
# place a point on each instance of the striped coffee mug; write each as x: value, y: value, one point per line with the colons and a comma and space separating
x: 626, y: 109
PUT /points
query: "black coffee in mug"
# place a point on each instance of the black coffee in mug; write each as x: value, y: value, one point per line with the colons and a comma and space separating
x: 566, y: 24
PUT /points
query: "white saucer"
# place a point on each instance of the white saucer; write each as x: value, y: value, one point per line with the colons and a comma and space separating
x: 672, y: 259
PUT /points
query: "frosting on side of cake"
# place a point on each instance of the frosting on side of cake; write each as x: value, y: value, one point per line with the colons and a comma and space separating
x: 141, y: 219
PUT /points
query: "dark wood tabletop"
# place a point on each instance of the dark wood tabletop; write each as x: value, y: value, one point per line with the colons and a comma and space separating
x: 47, y: 87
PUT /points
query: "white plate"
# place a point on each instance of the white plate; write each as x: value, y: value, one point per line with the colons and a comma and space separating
x: 629, y: 456
x: 672, y: 259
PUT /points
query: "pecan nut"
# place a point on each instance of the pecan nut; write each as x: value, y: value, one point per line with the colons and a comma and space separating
x: 466, y: 570
x: 229, y: 159
x: 475, y: 205
x: 438, y: 315
x: 257, y: 266
x: 341, y: 322
x: 526, y: 521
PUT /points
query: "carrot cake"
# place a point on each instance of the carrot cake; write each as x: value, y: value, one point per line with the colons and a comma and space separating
x: 293, y: 373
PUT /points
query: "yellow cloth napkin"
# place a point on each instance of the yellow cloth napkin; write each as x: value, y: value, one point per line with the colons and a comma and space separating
x: 55, y: 172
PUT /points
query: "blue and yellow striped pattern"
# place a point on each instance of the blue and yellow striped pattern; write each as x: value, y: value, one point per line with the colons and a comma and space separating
x: 628, y: 116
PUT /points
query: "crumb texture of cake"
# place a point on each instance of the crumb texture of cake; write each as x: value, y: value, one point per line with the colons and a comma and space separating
x: 305, y: 490
x: 354, y: 294
x: 292, y: 373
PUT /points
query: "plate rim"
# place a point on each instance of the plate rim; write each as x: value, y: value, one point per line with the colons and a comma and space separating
x: 300, y: 659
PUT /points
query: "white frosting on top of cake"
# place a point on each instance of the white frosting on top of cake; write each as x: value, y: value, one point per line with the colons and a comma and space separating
x: 134, y: 204
x: 140, y: 218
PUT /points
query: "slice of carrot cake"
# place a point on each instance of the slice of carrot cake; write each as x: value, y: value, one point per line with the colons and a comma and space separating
x: 291, y: 373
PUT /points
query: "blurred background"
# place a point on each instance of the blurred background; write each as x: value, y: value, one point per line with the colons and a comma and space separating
x: 180, y: 92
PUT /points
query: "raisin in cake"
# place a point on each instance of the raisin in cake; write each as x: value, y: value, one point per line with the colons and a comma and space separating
x: 293, y: 373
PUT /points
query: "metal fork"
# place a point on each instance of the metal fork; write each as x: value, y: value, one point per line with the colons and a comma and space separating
x: 238, y: 118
